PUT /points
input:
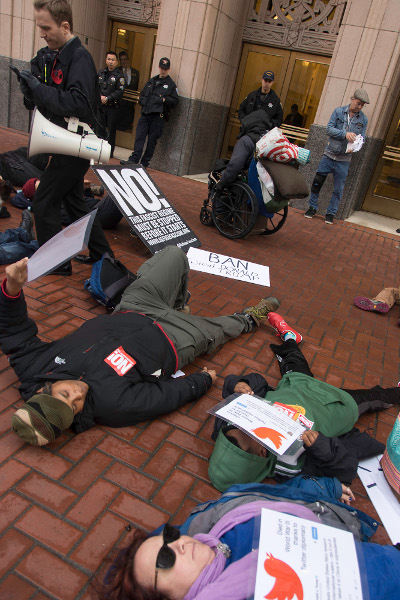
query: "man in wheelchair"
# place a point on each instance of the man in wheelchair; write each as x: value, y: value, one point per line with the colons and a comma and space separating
x: 259, y: 112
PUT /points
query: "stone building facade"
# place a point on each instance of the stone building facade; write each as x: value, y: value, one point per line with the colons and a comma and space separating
x: 206, y: 41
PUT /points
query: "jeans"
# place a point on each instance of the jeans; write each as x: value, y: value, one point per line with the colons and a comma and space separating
x: 15, y: 244
x: 339, y: 169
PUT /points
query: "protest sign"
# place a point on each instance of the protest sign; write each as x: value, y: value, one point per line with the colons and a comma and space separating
x: 272, y: 427
x: 61, y: 248
x: 381, y: 495
x: 300, y: 559
x: 145, y: 207
x: 227, y: 266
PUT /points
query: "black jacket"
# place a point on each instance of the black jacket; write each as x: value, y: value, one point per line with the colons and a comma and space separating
x: 328, y: 456
x: 112, y: 85
x: 158, y: 95
x: 121, y: 391
x: 271, y: 105
x: 255, y: 125
x: 77, y: 71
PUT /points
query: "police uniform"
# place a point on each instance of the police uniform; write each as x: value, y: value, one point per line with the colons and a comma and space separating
x: 157, y: 98
x: 112, y: 84
x: 66, y: 77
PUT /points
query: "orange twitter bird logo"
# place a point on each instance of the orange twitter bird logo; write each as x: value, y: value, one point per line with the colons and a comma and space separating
x: 287, y: 584
x: 265, y: 432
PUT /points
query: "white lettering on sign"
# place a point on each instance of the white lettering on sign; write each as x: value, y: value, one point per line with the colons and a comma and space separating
x: 120, y: 361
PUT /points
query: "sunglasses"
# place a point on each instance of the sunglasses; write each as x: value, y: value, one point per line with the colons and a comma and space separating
x: 166, y: 557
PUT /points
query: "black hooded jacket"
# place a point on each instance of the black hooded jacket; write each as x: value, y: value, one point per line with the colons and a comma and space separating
x: 126, y: 359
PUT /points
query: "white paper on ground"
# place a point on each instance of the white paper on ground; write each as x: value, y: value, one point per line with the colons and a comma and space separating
x: 60, y: 248
x: 269, y: 426
x: 381, y: 495
x: 300, y: 559
x: 227, y: 266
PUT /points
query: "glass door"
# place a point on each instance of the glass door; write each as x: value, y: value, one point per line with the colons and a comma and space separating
x: 139, y: 44
x: 299, y: 81
x: 383, y: 196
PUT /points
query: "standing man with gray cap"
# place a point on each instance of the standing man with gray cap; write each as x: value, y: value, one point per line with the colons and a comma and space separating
x: 158, y: 96
x: 344, y: 125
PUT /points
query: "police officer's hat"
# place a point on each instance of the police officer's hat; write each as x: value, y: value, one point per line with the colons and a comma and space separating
x: 164, y: 63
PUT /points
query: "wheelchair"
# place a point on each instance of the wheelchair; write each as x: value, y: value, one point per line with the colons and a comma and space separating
x: 238, y: 208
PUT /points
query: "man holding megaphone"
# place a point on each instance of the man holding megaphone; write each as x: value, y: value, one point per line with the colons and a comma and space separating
x: 64, y: 84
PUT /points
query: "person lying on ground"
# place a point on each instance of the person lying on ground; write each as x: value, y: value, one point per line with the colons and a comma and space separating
x: 18, y: 243
x: 333, y: 446
x: 212, y: 554
x: 115, y: 370
x: 107, y: 211
x: 382, y: 302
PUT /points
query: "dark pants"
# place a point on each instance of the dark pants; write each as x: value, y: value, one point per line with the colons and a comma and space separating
x: 110, y: 116
x: 108, y: 212
x: 62, y: 181
x: 292, y: 360
x: 241, y: 158
x: 16, y: 244
x: 150, y: 126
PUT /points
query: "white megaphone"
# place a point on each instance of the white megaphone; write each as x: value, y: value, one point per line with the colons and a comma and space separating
x: 47, y: 138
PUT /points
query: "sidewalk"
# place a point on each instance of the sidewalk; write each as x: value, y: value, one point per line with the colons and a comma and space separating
x: 65, y: 506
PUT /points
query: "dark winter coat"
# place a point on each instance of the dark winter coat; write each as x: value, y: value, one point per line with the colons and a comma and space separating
x: 158, y: 95
x: 122, y: 391
x: 271, y: 105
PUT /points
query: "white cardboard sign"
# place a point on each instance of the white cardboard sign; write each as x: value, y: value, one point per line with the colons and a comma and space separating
x: 271, y: 427
x: 227, y: 266
x: 301, y: 559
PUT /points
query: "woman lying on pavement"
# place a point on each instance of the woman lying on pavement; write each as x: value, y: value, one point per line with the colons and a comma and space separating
x: 212, y: 556
x: 333, y: 446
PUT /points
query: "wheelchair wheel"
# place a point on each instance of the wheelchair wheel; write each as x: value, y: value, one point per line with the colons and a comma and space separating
x: 235, y: 210
x: 275, y: 222
x: 206, y: 217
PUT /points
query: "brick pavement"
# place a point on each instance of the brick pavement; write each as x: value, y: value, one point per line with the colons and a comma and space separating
x: 63, y: 507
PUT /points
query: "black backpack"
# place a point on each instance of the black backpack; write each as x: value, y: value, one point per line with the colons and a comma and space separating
x: 108, y: 280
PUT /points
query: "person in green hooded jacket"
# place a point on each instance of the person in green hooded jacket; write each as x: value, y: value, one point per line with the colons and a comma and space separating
x: 332, y: 445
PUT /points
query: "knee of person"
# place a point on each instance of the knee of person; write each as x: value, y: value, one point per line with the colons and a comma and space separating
x: 318, y: 182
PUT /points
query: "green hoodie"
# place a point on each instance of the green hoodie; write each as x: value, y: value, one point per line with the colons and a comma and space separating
x: 331, y: 411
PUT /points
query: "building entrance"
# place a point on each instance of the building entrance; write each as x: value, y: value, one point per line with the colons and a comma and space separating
x: 383, y: 196
x: 138, y: 42
x: 299, y: 79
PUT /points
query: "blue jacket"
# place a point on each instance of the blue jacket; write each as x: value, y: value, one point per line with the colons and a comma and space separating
x: 339, y: 124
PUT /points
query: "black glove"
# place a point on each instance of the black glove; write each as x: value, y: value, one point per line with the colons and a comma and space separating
x: 28, y: 83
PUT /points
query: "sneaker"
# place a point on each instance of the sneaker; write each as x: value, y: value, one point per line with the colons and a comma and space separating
x: 128, y: 162
x: 367, y: 304
x: 4, y: 214
x: 280, y: 325
x: 27, y: 223
x: 329, y: 219
x: 310, y: 213
x: 260, y: 312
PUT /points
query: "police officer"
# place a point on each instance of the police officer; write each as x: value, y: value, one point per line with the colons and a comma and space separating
x: 63, y: 83
x: 259, y: 112
x: 157, y: 98
x: 112, y: 84
x: 264, y: 98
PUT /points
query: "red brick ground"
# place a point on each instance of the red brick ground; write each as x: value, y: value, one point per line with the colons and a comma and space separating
x: 62, y: 508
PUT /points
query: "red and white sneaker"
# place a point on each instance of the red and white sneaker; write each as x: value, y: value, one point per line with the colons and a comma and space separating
x: 280, y: 325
